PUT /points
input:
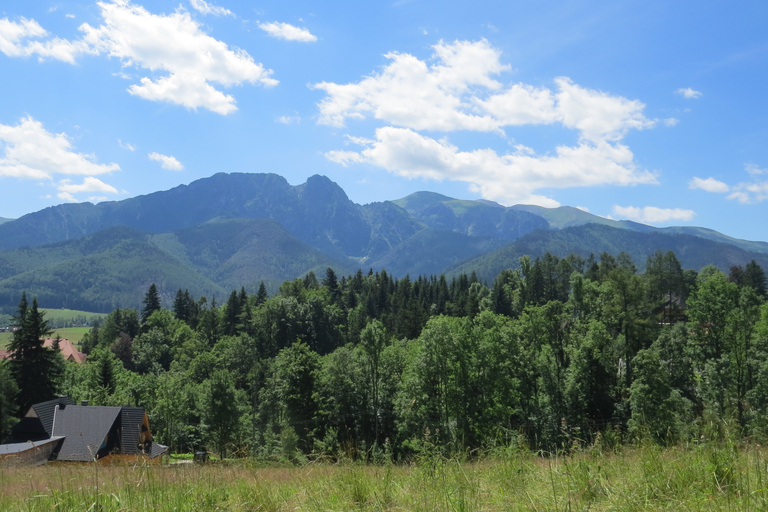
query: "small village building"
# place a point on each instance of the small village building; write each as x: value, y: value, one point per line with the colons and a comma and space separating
x: 81, y: 433
x: 66, y: 347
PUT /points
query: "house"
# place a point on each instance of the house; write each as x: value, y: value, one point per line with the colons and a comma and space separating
x: 85, y: 433
x: 66, y: 347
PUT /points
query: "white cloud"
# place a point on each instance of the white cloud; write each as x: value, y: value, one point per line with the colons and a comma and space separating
x: 689, y: 93
x: 754, y: 169
x: 708, y: 185
x: 126, y: 145
x: 287, y: 32
x: 166, y: 161
x: 28, y: 150
x: 22, y: 39
x: 652, y: 214
x: 597, y: 115
x: 750, y: 193
x: 457, y: 89
x: 671, y: 121
x: 70, y: 16
x: 510, y: 179
x: 288, y: 119
x: 90, y: 184
x: 408, y: 92
x: 205, y: 8
x: 173, y: 44
x: 183, y: 60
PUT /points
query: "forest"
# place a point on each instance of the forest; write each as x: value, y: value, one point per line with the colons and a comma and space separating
x: 561, y: 353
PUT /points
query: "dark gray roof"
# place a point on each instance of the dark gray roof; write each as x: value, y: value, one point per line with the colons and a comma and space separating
x: 14, y: 448
x: 44, y: 411
x: 87, y: 430
x: 131, y: 422
x: 157, y: 449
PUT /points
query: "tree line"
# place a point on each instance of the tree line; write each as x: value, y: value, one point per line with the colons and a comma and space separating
x: 559, y: 352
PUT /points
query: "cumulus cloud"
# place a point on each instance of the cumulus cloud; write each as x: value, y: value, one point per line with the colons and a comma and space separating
x: 205, y: 8
x: 28, y: 150
x: 182, y: 60
x: 652, y: 214
x: 708, y: 185
x: 510, y: 178
x: 671, y: 121
x: 287, y: 32
x: 458, y: 90
x: 25, y: 38
x: 754, y: 169
x: 67, y: 189
x: 750, y: 193
x: 689, y: 93
x: 166, y: 161
x: 412, y: 93
x: 173, y: 44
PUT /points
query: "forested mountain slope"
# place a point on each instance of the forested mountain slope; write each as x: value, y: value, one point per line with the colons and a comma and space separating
x: 692, y: 251
x: 114, y: 267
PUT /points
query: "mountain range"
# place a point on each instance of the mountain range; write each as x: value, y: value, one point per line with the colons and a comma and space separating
x: 231, y: 230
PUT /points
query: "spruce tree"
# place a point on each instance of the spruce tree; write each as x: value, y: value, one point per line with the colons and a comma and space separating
x: 37, y: 370
x: 151, y: 303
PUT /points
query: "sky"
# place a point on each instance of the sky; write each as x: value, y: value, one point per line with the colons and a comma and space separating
x: 651, y: 111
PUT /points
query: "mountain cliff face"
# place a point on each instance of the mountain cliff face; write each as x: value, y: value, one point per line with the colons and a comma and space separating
x: 232, y: 230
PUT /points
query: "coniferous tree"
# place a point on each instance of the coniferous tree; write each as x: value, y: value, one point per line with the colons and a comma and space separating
x: 151, y: 303
x: 261, y: 295
x: 37, y: 370
x: 8, y: 393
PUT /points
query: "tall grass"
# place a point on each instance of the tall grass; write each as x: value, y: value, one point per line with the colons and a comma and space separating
x: 711, y: 476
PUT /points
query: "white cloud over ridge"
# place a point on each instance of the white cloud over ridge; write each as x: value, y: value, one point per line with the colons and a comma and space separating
x: 89, y: 184
x: 750, y: 193
x: 288, y: 32
x: 708, y: 185
x: 183, y: 60
x: 458, y: 90
x: 653, y: 214
x: 166, y: 162
x: 28, y: 150
x: 511, y: 178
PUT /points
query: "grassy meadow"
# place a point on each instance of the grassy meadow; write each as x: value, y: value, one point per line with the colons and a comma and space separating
x: 60, y: 316
x: 708, y: 477
x: 73, y: 334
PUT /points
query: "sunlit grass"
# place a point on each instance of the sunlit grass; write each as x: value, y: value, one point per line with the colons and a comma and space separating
x: 712, y: 477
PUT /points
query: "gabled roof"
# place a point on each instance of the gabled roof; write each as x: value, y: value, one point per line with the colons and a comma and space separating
x: 87, y: 430
x: 67, y: 349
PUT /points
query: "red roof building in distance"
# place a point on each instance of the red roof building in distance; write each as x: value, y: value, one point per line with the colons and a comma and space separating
x: 66, y: 347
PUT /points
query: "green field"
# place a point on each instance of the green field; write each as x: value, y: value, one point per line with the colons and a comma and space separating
x: 60, y: 316
x: 73, y: 334
x: 710, y: 477
x: 53, y: 315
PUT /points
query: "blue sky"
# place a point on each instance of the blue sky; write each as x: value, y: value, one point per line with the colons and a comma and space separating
x: 652, y: 111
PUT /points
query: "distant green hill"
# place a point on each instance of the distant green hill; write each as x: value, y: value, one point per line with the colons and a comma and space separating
x: 693, y: 252
x: 113, y: 268
x: 4, y: 220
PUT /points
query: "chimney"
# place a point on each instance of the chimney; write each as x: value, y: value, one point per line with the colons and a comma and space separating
x: 84, y: 402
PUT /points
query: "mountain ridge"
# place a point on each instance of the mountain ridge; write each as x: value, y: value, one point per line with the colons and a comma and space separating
x: 233, y: 230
